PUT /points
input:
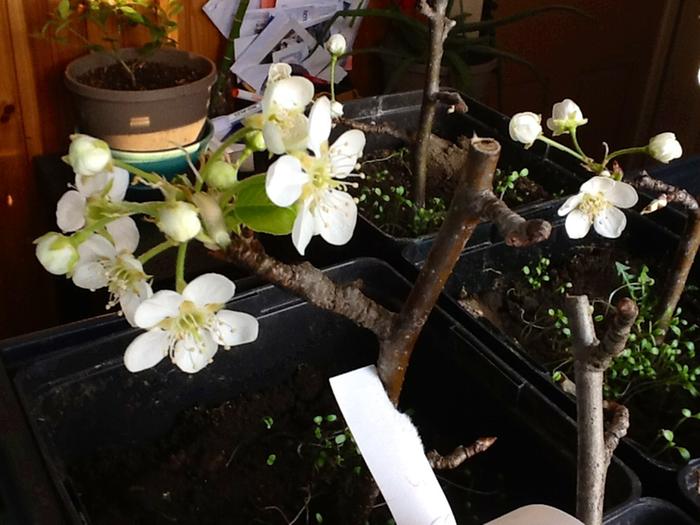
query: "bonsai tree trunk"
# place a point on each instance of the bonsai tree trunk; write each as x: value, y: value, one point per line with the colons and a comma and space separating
x: 397, y: 333
x: 591, y: 359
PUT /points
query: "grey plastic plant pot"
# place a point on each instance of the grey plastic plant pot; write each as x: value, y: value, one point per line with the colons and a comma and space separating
x: 149, y: 120
x: 80, y: 398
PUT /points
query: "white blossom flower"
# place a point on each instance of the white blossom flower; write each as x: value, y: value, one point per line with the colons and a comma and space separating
x: 56, y: 253
x: 565, y: 116
x: 112, y: 264
x: 88, y: 155
x: 336, y: 44
x: 597, y: 203
x: 317, y: 182
x: 72, y: 206
x: 283, y: 123
x: 664, y: 147
x: 525, y: 127
x: 189, y: 327
x: 179, y: 221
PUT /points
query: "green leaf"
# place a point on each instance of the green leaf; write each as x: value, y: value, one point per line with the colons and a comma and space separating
x: 686, y: 412
x: 340, y: 439
x: 667, y: 435
x: 684, y: 453
x: 258, y: 212
x: 271, y: 459
x: 63, y: 9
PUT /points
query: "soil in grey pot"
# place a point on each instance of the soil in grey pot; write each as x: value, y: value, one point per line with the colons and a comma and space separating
x: 164, y: 104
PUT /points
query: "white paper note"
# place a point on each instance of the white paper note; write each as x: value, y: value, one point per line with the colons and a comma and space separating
x: 392, y: 449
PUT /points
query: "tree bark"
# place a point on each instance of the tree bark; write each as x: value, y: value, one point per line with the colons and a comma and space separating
x: 473, y: 199
x: 440, y: 26
x: 591, y: 359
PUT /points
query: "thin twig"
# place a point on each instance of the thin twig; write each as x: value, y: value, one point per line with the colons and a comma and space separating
x: 460, y: 454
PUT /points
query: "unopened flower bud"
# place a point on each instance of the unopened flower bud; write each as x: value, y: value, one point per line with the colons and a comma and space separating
x: 336, y: 109
x: 566, y: 115
x: 525, y: 127
x: 255, y: 140
x: 221, y: 175
x: 664, y: 147
x: 88, y: 155
x: 278, y: 71
x: 213, y: 219
x: 56, y: 253
x: 336, y: 45
x: 179, y: 221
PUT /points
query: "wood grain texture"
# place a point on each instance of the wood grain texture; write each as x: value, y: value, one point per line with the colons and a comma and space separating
x: 26, y: 290
x: 602, y: 63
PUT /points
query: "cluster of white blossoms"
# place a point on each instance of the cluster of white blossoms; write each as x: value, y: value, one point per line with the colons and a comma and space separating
x: 100, y: 254
x: 599, y: 199
x: 97, y: 246
x: 96, y: 250
x: 310, y: 174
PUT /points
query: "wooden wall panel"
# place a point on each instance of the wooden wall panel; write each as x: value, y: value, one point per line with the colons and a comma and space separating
x: 26, y: 293
x: 603, y: 63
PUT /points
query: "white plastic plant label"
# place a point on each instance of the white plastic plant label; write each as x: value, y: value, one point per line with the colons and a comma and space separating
x: 392, y: 449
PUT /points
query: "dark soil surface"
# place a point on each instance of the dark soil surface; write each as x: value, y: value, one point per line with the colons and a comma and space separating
x: 512, y: 304
x: 224, y: 465
x: 147, y: 76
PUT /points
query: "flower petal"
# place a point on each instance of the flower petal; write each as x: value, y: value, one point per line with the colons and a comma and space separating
x: 577, y: 224
x: 210, y: 288
x: 597, y: 184
x: 235, y: 328
x: 304, y: 227
x: 288, y: 94
x: 130, y: 301
x: 610, y: 222
x: 125, y: 234
x: 285, y: 180
x: 90, y: 276
x: 296, y: 133
x: 191, y: 357
x: 319, y: 124
x: 570, y: 203
x: 345, y: 151
x: 120, y: 183
x: 147, y: 350
x: 70, y: 211
x: 336, y: 217
x: 89, y: 185
x: 162, y: 305
x: 273, y: 138
x: 622, y: 195
x: 95, y: 248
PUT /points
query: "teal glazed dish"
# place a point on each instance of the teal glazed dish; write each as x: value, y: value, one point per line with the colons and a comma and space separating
x: 168, y: 162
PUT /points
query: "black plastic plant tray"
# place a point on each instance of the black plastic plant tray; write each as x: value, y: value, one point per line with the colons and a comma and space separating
x: 481, y: 263
x: 550, y: 168
x: 75, y: 399
x: 649, y: 511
